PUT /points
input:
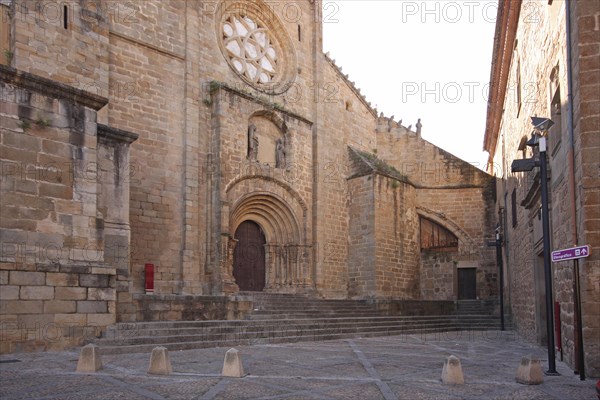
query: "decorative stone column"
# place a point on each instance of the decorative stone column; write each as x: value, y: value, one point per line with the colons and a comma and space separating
x: 288, y: 267
x: 112, y: 212
x: 228, y: 244
x: 270, y: 266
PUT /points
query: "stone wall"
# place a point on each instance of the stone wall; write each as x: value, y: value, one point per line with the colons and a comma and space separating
x: 573, y: 164
x: 175, y: 197
x: 343, y: 118
x: 147, y: 73
x: 423, y: 163
x: 455, y: 195
x: 60, y: 184
x: 586, y: 66
x: 189, y: 308
x: 54, y: 305
x: 75, y: 54
x: 396, y: 239
x: 438, y: 274
x: 361, y: 242
x: 469, y: 214
x: 5, y: 31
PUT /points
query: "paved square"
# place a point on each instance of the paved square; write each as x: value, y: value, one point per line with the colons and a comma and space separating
x: 395, y: 367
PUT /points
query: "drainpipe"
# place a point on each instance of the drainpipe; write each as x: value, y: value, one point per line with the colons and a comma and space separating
x: 571, y: 162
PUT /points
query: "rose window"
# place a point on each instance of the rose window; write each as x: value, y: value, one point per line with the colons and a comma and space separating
x: 250, y: 49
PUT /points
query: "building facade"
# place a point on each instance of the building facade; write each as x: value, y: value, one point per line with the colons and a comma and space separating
x: 215, y: 141
x: 546, y: 63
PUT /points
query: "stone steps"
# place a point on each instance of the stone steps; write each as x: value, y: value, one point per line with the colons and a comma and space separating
x: 478, y: 307
x: 316, y: 314
x: 158, y: 328
x: 278, y: 306
x: 202, y: 334
x: 282, y: 318
x: 282, y: 333
x: 284, y: 309
x: 225, y: 327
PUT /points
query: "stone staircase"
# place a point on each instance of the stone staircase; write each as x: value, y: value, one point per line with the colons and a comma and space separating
x: 476, y: 307
x: 279, y: 318
x: 284, y: 306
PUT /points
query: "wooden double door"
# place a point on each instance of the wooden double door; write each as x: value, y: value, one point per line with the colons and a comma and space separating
x: 249, y: 268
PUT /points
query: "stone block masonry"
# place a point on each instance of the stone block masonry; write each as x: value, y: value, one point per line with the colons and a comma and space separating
x: 224, y: 140
x: 57, y: 290
x: 561, y: 83
x: 42, y: 313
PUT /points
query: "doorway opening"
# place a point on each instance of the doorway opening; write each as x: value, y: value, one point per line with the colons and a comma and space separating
x: 249, y: 257
x: 467, y: 283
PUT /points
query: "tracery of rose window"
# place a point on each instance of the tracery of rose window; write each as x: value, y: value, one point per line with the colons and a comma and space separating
x: 250, y: 49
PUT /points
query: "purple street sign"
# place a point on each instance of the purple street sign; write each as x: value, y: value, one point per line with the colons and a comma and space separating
x: 571, y: 254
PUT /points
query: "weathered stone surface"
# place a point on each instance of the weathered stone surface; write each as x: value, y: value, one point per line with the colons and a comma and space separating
x: 232, y: 365
x: 70, y: 293
x: 9, y: 292
x: 37, y: 292
x: 89, y: 359
x: 336, y: 227
x: 88, y: 306
x: 59, y: 307
x: 61, y: 279
x: 27, y: 278
x: 96, y: 281
x: 452, y: 373
x: 160, y: 362
x: 530, y: 371
x: 570, y: 93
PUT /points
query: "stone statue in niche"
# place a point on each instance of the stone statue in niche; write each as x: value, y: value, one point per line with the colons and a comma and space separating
x: 280, y: 153
x: 252, y: 143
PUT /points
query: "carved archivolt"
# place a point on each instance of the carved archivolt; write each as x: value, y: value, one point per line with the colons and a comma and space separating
x: 271, y: 213
x: 287, y: 256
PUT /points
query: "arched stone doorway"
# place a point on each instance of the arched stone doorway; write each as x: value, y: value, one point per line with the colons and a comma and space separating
x: 287, y: 266
x: 249, y: 257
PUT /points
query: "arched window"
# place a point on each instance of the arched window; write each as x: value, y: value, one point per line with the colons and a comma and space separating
x: 435, y: 236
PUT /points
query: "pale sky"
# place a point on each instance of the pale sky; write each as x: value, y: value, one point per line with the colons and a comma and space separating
x: 423, y: 59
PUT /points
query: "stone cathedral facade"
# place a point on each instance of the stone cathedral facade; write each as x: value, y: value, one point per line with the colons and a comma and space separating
x: 216, y: 141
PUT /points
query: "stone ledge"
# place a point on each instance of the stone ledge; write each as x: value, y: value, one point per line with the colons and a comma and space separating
x: 51, y: 88
x: 118, y: 135
x: 177, y: 297
x: 75, y: 269
x: 216, y: 85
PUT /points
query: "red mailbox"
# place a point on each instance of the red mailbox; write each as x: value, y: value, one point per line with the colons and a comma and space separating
x: 149, y: 271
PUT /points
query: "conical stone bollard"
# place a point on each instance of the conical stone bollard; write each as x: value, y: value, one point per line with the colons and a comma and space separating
x: 232, y: 365
x: 160, y: 363
x: 89, y: 359
x: 530, y: 371
x: 452, y: 373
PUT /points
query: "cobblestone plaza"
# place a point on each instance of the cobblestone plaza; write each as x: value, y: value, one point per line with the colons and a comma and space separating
x: 395, y: 367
